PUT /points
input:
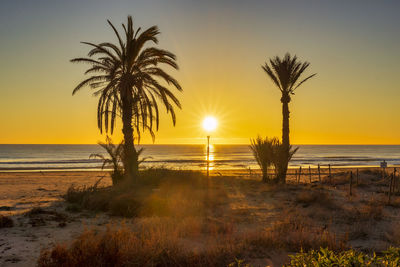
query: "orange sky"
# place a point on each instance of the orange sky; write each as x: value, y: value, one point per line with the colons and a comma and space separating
x: 220, y: 47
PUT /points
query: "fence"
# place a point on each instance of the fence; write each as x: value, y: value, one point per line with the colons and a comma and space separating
x: 328, y: 174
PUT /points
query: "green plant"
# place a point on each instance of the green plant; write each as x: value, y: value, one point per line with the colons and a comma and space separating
x: 114, y: 161
x: 263, y: 153
x: 349, y: 258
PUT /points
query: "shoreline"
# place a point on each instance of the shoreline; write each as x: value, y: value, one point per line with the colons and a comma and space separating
x: 90, y: 169
x: 244, y: 169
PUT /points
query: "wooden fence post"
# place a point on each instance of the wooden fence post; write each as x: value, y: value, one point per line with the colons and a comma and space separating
x: 319, y: 173
x: 390, y: 188
x: 357, y: 176
x: 295, y: 176
x: 309, y: 172
x: 299, y: 174
x: 351, y: 183
x: 330, y: 175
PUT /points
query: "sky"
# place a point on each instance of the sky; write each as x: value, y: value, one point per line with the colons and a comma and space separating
x: 353, y: 46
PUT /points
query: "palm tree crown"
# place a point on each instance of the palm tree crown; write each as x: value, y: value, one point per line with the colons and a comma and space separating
x: 286, y: 73
x: 129, y: 71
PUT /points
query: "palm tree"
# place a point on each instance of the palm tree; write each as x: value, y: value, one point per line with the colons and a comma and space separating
x: 129, y: 82
x: 263, y: 153
x: 286, y: 73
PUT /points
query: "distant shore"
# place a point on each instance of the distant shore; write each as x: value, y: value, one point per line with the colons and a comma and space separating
x: 241, y: 171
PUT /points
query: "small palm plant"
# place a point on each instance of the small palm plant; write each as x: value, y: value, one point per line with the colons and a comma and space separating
x: 281, y: 159
x: 114, y: 159
x: 263, y: 149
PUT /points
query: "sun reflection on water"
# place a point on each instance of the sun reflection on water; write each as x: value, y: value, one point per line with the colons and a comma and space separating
x: 211, y: 157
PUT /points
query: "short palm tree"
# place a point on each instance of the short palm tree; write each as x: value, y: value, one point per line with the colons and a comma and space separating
x: 286, y: 74
x: 281, y: 158
x: 263, y: 153
x: 129, y: 82
x: 114, y: 159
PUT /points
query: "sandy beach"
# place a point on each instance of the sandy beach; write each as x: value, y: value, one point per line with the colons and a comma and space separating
x: 249, y: 205
x: 24, y: 191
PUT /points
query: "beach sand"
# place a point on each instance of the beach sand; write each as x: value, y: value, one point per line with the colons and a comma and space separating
x: 23, y: 191
x: 251, y: 205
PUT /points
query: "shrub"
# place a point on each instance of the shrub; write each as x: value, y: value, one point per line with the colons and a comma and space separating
x: 123, y: 247
x: 294, y: 234
x: 73, y: 208
x: 263, y: 153
x: 318, y: 197
x: 281, y: 159
x: 124, y: 205
x: 6, y: 221
x: 272, y: 152
x: 160, y: 192
x: 325, y: 257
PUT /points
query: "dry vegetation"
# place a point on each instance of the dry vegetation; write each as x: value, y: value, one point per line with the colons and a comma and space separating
x: 178, y: 219
x: 6, y: 221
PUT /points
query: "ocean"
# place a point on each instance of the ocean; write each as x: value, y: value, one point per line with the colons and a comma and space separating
x: 76, y: 157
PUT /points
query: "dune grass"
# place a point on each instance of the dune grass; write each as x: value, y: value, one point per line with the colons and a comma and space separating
x: 183, y: 219
x: 150, y: 197
x: 6, y: 222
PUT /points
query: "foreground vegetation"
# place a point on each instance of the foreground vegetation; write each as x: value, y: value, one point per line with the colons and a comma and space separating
x: 349, y: 258
x: 124, y: 247
x: 6, y: 221
x: 181, y: 219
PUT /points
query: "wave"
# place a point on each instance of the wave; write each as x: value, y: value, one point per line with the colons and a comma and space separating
x: 52, y: 161
x: 303, y: 159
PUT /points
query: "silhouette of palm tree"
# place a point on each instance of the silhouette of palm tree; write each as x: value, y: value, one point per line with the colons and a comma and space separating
x: 286, y: 73
x: 127, y: 78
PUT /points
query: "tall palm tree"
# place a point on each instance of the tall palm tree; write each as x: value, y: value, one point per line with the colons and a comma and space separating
x: 129, y: 82
x: 286, y: 73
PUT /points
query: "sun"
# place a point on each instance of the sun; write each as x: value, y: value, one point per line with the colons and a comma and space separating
x: 210, y: 124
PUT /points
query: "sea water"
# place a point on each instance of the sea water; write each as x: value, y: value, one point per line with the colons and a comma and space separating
x: 76, y: 157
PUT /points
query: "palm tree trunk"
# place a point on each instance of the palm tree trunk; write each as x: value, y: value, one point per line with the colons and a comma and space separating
x: 130, y: 159
x: 285, y: 126
x: 285, y: 138
x: 265, y: 175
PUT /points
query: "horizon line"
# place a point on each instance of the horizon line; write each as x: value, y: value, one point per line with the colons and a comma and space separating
x: 183, y: 144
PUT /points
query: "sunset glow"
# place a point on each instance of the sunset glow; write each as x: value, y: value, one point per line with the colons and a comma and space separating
x: 352, y: 100
x: 210, y: 124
